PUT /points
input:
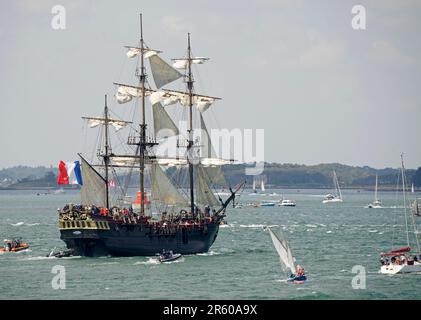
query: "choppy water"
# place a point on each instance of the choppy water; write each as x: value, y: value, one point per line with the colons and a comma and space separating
x: 328, y: 240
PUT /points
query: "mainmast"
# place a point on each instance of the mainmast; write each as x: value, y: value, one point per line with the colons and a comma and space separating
x: 106, y: 155
x: 142, y: 142
x: 190, y: 130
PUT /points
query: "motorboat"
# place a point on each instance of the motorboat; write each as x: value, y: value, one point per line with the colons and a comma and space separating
x: 287, y: 203
x: 168, y: 256
x: 14, y: 245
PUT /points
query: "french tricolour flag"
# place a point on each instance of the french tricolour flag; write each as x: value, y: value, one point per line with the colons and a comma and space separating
x: 69, y: 173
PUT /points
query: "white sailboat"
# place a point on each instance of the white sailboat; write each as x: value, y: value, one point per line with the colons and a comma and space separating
x: 376, y: 204
x: 286, y: 257
x: 401, y: 260
x: 262, y: 186
x: 337, y: 197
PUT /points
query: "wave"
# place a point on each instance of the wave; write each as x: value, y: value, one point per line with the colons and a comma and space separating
x: 311, y: 225
x: 49, y: 258
x: 258, y: 225
x: 21, y: 223
x: 210, y: 253
x: 150, y: 261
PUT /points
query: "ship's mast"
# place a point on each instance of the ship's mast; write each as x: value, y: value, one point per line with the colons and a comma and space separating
x: 106, y: 155
x: 190, y: 130
x: 142, y: 142
x: 404, y: 204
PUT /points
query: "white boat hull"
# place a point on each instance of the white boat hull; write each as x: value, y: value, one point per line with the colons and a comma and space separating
x: 332, y: 200
x: 398, y: 269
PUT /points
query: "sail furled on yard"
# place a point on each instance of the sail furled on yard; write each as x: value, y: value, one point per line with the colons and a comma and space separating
x: 93, y: 190
x: 183, y: 63
x: 169, y: 97
x: 163, y: 190
x: 204, y: 194
x: 125, y: 93
x: 163, y: 124
x: 284, y: 251
x: 162, y: 72
x: 96, y: 121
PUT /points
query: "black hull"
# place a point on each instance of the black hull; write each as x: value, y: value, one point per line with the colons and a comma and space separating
x: 138, y: 240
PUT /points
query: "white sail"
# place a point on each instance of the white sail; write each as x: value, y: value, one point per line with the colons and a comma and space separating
x: 336, y: 183
x: 163, y: 124
x: 126, y: 93
x: 212, y: 164
x: 163, y: 190
x: 162, y: 72
x: 204, y: 194
x: 93, y: 190
x: 183, y: 63
x: 134, y: 52
x: 262, y: 185
x: 168, y: 97
x: 412, y: 188
x: 117, y: 124
x: 254, y: 184
x: 284, y: 251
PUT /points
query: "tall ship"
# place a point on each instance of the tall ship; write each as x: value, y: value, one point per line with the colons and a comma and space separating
x: 179, y: 166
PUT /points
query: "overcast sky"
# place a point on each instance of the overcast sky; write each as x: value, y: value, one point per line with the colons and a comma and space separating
x: 322, y: 91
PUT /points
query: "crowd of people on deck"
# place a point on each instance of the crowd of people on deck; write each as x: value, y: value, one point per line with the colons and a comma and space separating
x: 127, y: 215
x: 400, y: 260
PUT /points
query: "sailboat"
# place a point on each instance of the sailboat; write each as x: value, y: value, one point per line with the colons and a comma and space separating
x: 285, y: 255
x: 189, y: 214
x: 401, y: 260
x: 337, y: 197
x: 376, y: 204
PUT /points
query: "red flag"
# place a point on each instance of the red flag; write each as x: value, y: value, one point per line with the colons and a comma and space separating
x: 63, y: 177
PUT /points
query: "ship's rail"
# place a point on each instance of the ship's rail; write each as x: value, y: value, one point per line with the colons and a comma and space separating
x: 83, y: 224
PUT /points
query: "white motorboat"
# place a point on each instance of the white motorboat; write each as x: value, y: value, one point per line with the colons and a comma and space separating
x: 287, y: 203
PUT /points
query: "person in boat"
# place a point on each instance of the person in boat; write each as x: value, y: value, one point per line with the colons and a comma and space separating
x: 299, y: 274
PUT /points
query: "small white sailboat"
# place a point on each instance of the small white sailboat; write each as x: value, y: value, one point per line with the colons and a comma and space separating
x: 254, y: 187
x: 262, y: 186
x: 401, y: 260
x: 286, y: 258
x: 376, y: 204
x: 337, y: 197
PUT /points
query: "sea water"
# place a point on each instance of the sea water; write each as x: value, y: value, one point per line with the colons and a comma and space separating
x: 328, y: 240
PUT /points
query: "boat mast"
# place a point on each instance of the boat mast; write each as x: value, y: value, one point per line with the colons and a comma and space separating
x: 404, y: 204
x: 190, y: 130
x: 375, y: 191
x: 106, y: 155
x: 142, y: 125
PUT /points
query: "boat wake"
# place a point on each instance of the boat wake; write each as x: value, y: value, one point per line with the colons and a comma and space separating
x: 21, y: 223
x: 210, y: 253
x: 38, y: 258
x: 150, y: 261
